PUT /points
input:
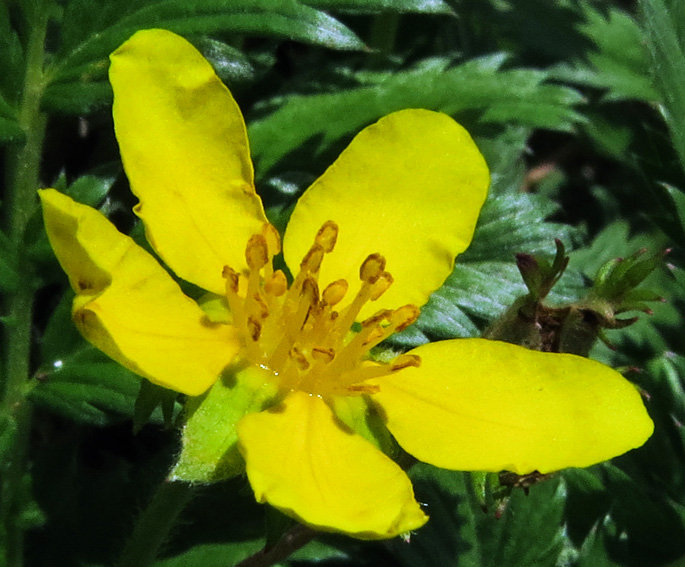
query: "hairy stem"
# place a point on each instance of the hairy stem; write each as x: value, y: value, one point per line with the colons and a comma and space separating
x: 23, y: 172
x: 154, y: 524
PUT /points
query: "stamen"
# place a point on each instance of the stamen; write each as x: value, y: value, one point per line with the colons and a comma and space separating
x: 257, y: 252
x: 312, y: 260
x: 327, y: 236
x: 254, y: 328
x: 324, y: 354
x: 405, y: 361
x: 381, y: 285
x: 299, y: 358
x: 272, y: 238
x: 277, y: 284
x: 295, y: 331
x: 372, y: 268
x: 334, y: 292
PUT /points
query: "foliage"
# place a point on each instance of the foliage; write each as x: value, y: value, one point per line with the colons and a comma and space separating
x: 579, y: 108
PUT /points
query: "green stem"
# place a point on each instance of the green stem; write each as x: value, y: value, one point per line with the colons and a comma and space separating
x: 154, y: 524
x: 23, y: 171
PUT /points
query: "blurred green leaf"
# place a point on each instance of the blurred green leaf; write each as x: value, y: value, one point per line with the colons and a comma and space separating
x: 9, y: 276
x: 529, y: 533
x: 11, y: 60
x: 214, y: 554
x: 311, y: 124
x: 619, y: 62
x: 373, y: 6
x: 666, y: 42
x: 10, y: 130
x: 8, y: 434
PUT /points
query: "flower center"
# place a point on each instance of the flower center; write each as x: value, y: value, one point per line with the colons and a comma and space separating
x: 296, y: 332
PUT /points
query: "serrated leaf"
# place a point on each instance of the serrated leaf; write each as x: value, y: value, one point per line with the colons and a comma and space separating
x: 84, y: 65
x: 373, y: 6
x: 485, y: 280
x: 307, y: 126
x: 618, y: 63
x: 530, y: 532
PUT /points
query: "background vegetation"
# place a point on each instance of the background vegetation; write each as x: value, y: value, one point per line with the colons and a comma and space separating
x: 579, y: 108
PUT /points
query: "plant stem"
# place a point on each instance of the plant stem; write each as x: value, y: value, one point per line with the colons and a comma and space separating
x: 295, y: 538
x: 154, y: 524
x: 23, y: 172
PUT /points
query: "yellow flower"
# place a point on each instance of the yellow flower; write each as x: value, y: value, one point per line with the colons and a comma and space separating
x: 404, y: 195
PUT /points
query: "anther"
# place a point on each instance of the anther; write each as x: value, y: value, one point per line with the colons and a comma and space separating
x: 277, y: 284
x: 381, y: 285
x: 310, y: 291
x: 312, y: 261
x: 231, y: 277
x: 364, y: 388
x: 299, y: 358
x: 380, y: 316
x: 405, y: 361
x: 372, y: 268
x: 257, y: 252
x: 263, y: 307
x: 334, y: 292
x: 254, y: 328
x: 273, y: 239
x: 327, y: 236
x: 405, y: 316
x: 325, y: 354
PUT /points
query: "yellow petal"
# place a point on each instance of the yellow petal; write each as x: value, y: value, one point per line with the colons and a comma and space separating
x: 184, y: 147
x: 475, y: 404
x: 409, y: 187
x: 129, y: 307
x: 301, y: 460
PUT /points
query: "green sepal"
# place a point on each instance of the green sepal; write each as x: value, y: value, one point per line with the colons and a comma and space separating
x: 149, y: 397
x: 362, y: 416
x: 209, y: 440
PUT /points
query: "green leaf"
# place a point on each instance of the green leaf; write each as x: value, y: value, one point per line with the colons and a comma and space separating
x: 91, y: 189
x: 210, y: 441
x: 87, y: 387
x: 78, y: 77
x: 374, y: 6
x: 214, y: 554
x: 311, y: 124
x: 10, y: 131
x: 9, y: 276
x: 529, y: 533
x: 666, y: 45
x: 11, y: 61
x: 8, y: 434
x: 619, y: 62
x: 485, y: 280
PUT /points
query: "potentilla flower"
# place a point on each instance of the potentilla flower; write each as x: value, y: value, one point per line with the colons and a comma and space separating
x: 366, y: 245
